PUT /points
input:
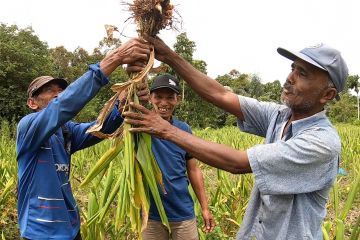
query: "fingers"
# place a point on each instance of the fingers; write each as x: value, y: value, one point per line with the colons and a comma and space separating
x: 135, y: 67
x: 209, y: 225
x: 142, y: 89
x: 140, y: 108
x: 134, y: 50
x: 144, y: 96
x: 132, y: 121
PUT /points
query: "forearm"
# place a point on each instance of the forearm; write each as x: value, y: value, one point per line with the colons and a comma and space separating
x: 213, y: 154
x: 208, y: 88
x: 200, y: 82
x: 110, y: 63
x: 197, y: 183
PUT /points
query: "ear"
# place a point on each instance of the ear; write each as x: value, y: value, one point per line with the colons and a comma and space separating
x: 329, y: 94
x: 31, y: 102
x: 179, y: 98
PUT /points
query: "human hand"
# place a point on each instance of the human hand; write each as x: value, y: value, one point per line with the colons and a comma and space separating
x: 162, y: 50
x: 135, y: 67
x: 132, y: 51
x: 209, y: 222
x: 129, y: 52
x: 142, y: 92
x: 144, y: 120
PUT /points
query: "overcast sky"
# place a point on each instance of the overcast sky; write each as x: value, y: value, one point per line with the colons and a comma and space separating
x: 235, y: 34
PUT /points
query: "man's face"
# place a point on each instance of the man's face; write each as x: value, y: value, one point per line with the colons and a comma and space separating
x: 304, y: 88
x: 44, y: 95
x: 164, y: 101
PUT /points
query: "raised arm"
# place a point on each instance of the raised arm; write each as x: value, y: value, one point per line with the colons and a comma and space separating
x: 37, y: 127
x: 206, y: 87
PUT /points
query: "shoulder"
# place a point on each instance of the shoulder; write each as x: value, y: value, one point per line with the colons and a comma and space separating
x: 324, y: 135
x: 26, y: 120
x: 182, y: 125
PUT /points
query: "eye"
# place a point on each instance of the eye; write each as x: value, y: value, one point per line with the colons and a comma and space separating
x: 303, y: 73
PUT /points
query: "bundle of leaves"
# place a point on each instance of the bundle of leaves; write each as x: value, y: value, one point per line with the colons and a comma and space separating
x: 151, y: 16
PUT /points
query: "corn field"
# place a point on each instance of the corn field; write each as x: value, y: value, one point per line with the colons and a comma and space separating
x: 228, y: 194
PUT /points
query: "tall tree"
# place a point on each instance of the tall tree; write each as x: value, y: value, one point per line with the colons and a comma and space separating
x: 272, y: 92
x: 256, y: 89
x: 353, y: 84
x: 22, y: 58
x: 62, y: 59
x: 193, y: 109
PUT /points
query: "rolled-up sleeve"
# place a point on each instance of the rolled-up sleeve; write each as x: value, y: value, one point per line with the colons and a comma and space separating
x: 258, y: 115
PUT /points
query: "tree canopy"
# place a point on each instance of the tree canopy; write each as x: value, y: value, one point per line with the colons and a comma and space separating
x: 23, y: 57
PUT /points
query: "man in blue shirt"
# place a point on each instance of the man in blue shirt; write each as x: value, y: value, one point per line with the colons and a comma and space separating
x: 177, y: 167
x: 296, y: 167
x: 46, y: 139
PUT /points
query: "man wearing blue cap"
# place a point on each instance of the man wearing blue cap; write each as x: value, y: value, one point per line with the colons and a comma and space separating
x: 178, y: 168
x: 46, y: 139
x: 295, y: 169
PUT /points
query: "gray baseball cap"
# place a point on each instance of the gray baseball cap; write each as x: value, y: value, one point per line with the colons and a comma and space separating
x: 38, y: 82
x: 323, y: 57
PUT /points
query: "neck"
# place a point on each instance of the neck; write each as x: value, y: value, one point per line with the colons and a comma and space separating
x: 300, y: 115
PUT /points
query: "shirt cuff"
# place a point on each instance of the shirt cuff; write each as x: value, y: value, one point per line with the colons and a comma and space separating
x: 98, y: 74
x: 256, y: 169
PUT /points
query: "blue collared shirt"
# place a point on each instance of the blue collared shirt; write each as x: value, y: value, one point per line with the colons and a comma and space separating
x: 293, y: 173
x: 172, y: 161
x: 46, y: 206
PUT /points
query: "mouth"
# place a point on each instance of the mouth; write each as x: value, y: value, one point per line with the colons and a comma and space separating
x: 287, y: 89
x: 163, y: 110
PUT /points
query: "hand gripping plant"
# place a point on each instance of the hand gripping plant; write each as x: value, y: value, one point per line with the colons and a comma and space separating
x: 140, y: 173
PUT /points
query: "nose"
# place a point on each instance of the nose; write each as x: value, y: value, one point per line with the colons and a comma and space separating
x: 57, y: 93
x: 291, y: 77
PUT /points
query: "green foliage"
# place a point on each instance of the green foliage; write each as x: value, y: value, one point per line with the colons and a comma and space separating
x: 256, y: 89
x: 344, y: 110
x: 272, y: 92
x: 353, y: 83
x: 228, y: 194
x: 239, y: 83
x: 22, y: 58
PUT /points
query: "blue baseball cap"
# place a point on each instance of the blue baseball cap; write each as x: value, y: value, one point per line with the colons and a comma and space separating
x: 323, y: 57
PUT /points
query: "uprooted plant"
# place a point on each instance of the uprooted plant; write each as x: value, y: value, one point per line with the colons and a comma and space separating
x: 140, y: 175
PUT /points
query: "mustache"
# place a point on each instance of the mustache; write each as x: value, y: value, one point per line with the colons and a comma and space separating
x: 289, y: 87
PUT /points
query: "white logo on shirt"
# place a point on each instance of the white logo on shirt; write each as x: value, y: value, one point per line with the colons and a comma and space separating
x: 62, y: 167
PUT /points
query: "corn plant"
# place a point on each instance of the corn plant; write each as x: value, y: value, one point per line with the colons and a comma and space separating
x: 228, y: 194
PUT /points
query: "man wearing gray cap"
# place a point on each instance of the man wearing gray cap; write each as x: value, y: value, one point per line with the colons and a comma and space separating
x: 46, y: 139
x: 296, y: 167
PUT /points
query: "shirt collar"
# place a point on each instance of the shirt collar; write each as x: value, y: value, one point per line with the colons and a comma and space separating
x: 303, y: 123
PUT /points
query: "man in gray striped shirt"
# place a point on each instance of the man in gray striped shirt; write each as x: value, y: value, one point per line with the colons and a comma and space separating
x: 296, y: 167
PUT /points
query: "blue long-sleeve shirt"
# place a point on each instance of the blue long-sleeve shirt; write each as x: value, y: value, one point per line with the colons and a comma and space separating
x: 46, y: 206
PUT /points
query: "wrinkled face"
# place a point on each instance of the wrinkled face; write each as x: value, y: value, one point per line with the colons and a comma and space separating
x: 164, y: 101
x: 305, y: 88
x: 44, y: 95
